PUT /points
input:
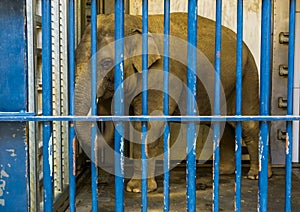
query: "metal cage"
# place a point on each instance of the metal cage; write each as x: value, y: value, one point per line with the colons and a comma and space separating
x: 54, y: 29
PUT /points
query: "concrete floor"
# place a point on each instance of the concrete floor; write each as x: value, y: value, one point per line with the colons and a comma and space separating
x: 204, y: 193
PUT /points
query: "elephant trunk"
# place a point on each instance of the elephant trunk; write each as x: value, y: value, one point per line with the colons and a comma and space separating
x: 83, y: 108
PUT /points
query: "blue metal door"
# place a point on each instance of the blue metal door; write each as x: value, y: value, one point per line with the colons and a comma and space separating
x: 14, y: 189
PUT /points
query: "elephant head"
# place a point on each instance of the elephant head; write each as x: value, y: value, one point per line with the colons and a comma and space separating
x: 105, y: 73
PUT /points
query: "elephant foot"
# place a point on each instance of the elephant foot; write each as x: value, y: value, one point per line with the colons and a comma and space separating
x: 134, y: 185
x: 253, y: 173
x: 226, y: 170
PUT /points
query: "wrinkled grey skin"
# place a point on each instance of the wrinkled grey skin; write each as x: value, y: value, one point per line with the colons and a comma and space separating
x: 206, y: 39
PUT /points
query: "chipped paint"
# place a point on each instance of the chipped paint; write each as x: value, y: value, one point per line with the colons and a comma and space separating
x: 236, y: 144
x: 12, y: 151
x: 121, y: 66
x: 146, y: 145
x: 74, y: 156
x: 169, y: 152
x: 287, y: 144
x: 235, y: 202
x: 260, y: 154
x: 50, y: 155
x: 95, y: 159
x: 3, y: 175
x: 122, y: 155
x: 196, y: 13
x: 194, y: 142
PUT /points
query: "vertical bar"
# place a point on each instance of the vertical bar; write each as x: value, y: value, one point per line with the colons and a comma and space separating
x: 289, y: 130
x: 94, y: 104
x: 144, y: 104
x: 119, y: 106
x: 31, y: 39
x: 166, y: 106
x: 72, y: 144
x: 47, y: 105
x: 238, y: 112
x: 216, y: 154
x: 264, y: 104
x: 191, y: 104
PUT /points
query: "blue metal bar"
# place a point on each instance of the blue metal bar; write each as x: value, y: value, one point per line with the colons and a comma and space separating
x: 265, y: 68
x: 47, y: 105
x: 94, y: 169
x: 238, y: 109
x: 289, y: 127
x: 166, y: 106
x: 21, y: 113
x: 191, y: 105
x: 72, y: 140
x: 216, y: 155
x: 196, y: 119
x: 119, y: 106
x: 144, y: 104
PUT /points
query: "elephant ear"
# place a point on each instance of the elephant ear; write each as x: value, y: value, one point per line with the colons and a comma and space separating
x: 153, y: 55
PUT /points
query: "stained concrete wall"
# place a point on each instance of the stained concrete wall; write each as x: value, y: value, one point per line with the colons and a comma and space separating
x: 252, y: 16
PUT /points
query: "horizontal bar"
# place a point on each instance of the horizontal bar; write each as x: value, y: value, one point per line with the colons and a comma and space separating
x: 151, y: 118
x: 17, y: 113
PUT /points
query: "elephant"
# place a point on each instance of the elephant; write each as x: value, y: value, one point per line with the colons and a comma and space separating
x: 177, y: 81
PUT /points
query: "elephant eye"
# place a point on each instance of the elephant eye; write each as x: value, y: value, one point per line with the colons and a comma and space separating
x: 106, y: 63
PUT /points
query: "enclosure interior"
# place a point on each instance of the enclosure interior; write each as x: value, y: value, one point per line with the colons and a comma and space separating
x: 60, y: 107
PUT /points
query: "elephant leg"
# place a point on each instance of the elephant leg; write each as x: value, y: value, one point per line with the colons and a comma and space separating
x: 250, y: 128
x: 154, y: 136
x: 135, y: 183
x: 250, y: 137
x: 227, y: 156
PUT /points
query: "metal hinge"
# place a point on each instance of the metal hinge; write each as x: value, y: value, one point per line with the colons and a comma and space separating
x: 281, y: 134
x: 283, y: 70
x: 283, y: 37
x: 282, y: 102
